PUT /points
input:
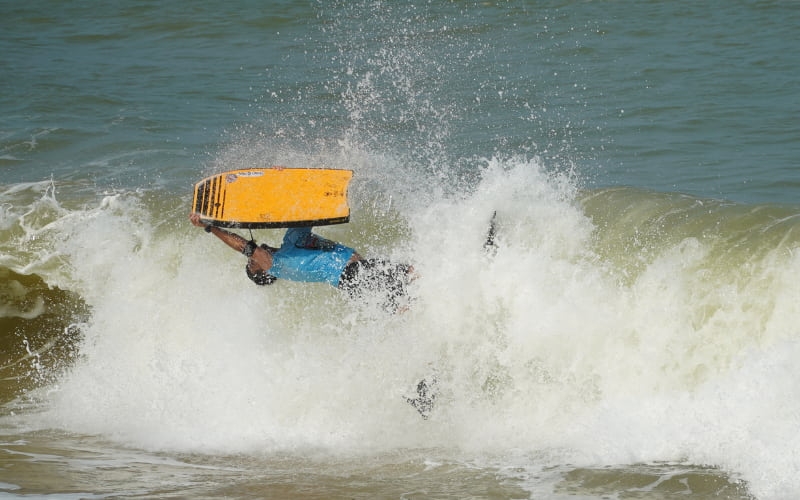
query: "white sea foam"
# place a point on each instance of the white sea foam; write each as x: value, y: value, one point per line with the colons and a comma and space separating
x: 536, y: 346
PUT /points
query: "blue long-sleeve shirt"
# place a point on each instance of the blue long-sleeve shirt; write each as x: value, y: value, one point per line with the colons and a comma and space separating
x: 304, y: 256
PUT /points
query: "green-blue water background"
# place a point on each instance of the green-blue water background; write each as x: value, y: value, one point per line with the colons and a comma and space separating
x: 687, y: 97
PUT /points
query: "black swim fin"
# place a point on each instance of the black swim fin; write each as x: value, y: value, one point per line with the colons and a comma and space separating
x: 426, y: 397
x: 490, y: 245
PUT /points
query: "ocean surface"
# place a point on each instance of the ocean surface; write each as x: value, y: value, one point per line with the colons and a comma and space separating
x: 633, y: 334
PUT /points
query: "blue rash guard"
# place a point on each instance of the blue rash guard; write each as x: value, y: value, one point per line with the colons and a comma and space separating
x: 304, y: 256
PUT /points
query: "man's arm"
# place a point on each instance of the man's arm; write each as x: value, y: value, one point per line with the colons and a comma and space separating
x: 231, y: 239
x: 259, y: 259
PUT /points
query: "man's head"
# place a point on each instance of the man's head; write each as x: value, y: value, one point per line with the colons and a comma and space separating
x: 259, y: 261
x: 259, y: 277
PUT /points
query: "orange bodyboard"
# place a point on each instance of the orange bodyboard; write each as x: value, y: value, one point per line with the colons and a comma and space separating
x: 274, y: 197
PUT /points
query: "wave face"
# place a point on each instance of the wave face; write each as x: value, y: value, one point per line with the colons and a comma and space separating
x: 616, y: 325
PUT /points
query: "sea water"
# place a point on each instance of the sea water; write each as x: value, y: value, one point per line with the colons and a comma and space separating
x: 633, y: 332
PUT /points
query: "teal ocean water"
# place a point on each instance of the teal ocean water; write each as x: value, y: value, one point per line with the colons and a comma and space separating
x: 633, y: 335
